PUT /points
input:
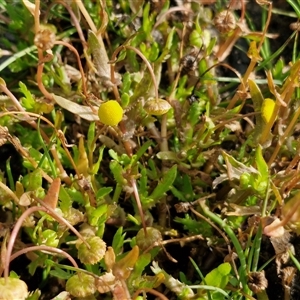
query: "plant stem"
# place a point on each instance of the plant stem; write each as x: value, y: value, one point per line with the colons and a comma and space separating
x: 45, y: 248
x: 234, y: 240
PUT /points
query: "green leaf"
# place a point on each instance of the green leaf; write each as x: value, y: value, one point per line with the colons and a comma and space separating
x: 277, y: 70
x: 165, y: 184
x: 168, y: 45
x: 35, y: 180
x: 126, y: 83
x: 113, y: 154
x: 178, y: 194
x: 237, y: 169
x: 167, y: 155
x: 153, y: 52
x: 143, y: 261
x: 152, y: 172
x: 28, y: 101
x: 102, y: 192
x: 59, y: 273
x: 195, y: 226
x: 39, y: 261
x: 117, y: 171
x: 219, y: 277
x: 143, y: 183
x: 295, y: 6
x: 187, y: 188
x: 258, y: 100
x: 118, y: 241
x: 13, y: 274
x: 91, y: 136
x: 262, y: 166
x: 148, y: 20
x: 96, y: 166
x: 196, y: 39
x: 97, y: 216
x: 194, y: 112
x: 125, y: 100
x: 263, y: 169
x: 36, y: 296
x: 211, y: 45
x: 75, y: 195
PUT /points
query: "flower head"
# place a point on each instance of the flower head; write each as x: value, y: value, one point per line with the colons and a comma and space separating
x: 110, y: 113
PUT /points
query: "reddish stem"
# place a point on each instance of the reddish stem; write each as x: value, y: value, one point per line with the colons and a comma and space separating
x: 45, y: 248
x: 19, y: 223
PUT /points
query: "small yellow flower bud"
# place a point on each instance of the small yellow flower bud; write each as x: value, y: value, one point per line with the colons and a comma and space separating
x: 110, y: 113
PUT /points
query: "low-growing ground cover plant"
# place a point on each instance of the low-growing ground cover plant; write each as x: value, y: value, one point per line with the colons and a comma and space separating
x: 149, y: 149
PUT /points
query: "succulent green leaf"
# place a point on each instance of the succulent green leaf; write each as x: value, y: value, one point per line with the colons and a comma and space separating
x: 142, y: 150
x: 102, y: 192
x: 237, y: 169
x: 28, y: 102
x: 165, y: 184
x: 166, y: 51
x: 96, y: 165
x: 61, y: 274
x: 143, y: 261
x: 117, y: 171
x: 258, y: 100
x: 49, y: 238
x: 118, y: 241
x: 97, y: 216
x: 65, y: 199
x: 219, y: 276
x: 143, y: 183
x: 91, y: 136
x: 262, y: 166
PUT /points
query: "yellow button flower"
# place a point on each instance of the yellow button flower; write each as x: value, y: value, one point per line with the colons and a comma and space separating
x: 110, y: 113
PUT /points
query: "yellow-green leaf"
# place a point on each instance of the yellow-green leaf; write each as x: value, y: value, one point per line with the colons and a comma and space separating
x: 124, y: 266
x: 267, y: 109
